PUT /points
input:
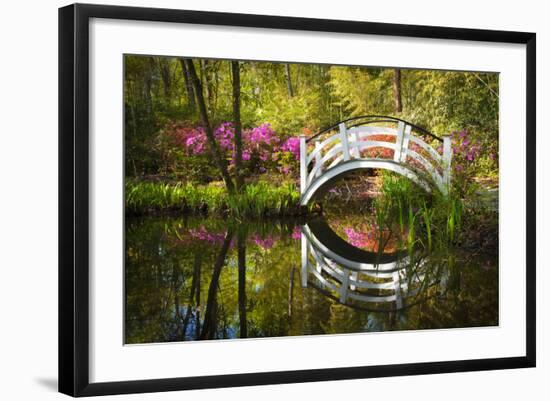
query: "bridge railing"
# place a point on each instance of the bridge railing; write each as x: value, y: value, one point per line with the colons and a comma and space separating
x: 379, y: 286
x: 404, y: 148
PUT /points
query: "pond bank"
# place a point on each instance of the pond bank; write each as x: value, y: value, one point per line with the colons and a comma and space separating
x: 255, y: 200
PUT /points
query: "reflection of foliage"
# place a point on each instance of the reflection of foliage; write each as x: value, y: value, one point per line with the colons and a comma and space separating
x: 170, y: 264
x: 405, y: 216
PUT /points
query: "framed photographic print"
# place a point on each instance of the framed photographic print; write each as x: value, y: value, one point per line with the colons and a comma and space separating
x: 249, y: 199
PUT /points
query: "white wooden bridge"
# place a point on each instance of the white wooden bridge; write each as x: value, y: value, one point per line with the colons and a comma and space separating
x: 348, y: 146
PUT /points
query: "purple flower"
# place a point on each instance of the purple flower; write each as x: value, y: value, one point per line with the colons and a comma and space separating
x: 292, y: 145
x: 265, y: 243
x: 356, y: 238
x: 296, y: 233
x: 202, y: 234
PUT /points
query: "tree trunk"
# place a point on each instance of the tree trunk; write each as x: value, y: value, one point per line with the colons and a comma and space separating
x: 164, y: 67
x: 241, y: 262
x: 214, y: 146
x: 288, y: 81
x: 398, y: 106
x: 149, y: 87
x: 237, y: 124
x: 206, y: 84
x: 188, y: 86
x: 210, y: 315
x: 193, y: 291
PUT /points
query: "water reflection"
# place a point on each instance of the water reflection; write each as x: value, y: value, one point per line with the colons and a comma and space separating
x: 205, y: 278
x: 371, y: 280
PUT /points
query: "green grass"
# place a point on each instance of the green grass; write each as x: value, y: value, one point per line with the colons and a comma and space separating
x: 255, y: 200
x: 433, y: 220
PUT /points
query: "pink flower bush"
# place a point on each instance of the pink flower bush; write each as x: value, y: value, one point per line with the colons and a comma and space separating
x: 265, y: 243
x: 263, y: 149
x: 292, y: 145
x: 356, y: 238
x: 296, y: 233
x: 202, y: 234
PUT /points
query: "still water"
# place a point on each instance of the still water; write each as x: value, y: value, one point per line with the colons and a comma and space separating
x: 198, y: 278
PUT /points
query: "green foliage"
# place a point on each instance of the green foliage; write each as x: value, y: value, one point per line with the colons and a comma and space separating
x: 156, y: 94
x: 433, y: 220
x: 144, y: 196
x: 262, y: 198
x: 255, y: 200
x: 353, y: 86
x: 309, y: 97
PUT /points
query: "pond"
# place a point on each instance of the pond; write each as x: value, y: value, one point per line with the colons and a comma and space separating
x: 197, y: 278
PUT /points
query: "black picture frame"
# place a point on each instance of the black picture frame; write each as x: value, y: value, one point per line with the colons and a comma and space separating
x: 74, y: 198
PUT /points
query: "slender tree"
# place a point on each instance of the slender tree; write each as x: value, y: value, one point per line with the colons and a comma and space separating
x: 398, y: 106
x: 288, y: 81
x: 206, y: 84
x: 214, y: 146
x: 188, y: 86
x: 164, y: 67
x: 235, y: 70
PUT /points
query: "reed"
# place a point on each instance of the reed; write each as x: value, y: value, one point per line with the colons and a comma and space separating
x: 433, y: 220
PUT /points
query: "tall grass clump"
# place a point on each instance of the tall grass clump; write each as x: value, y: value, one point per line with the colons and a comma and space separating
x: 261, y: 199
x: 254, y: 200
x: 432, y: 219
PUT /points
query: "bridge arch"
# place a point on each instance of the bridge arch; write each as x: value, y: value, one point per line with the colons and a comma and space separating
x: 347, y: 146
x: 332, y: 264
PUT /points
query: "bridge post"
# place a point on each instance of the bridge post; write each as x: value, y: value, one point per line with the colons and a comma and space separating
x: 405, y: 144
x: 397, y: 289
x: 303, y: 164
x: 447, y: 157
x: 356, y: 153
x: 318, y: 157
x: 345, y: 286
x: 344, y: 140
x: 354, y: 277
x: 399, y: 142
x: 303, y: 275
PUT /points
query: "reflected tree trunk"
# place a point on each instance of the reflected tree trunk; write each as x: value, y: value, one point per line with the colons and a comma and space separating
x: 210, y: 315
x: 194, y: 289
x: 291, y: 293
x: 241, y: 261
x: 198, y: 305
x: 176, y: 272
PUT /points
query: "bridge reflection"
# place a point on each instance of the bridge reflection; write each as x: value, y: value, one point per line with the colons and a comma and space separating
x: 375, y: 281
